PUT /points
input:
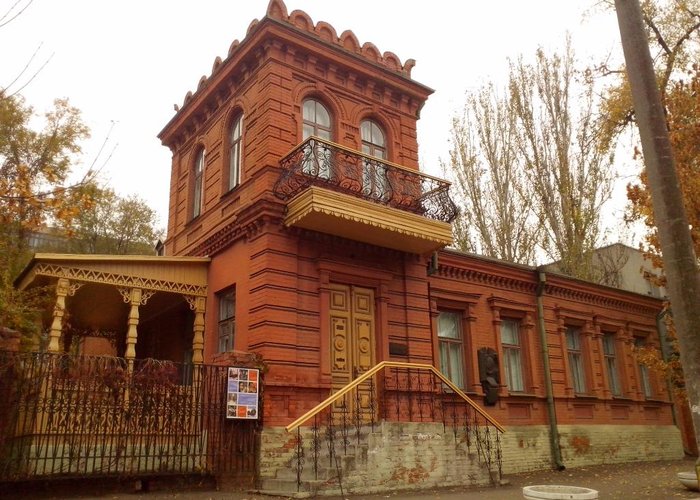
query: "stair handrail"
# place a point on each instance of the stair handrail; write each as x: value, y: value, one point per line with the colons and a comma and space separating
x: 371, y: 372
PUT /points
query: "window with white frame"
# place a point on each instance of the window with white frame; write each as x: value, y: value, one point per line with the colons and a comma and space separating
x: 644, y: 378
x: 235, y: 152
x: 316, y: 121
x: 512, y: 354
x: 610, y: 355
x: 451, y: 347
x: 374, y: 174
x: 573, y: 347
x: 198, y: 192
x: 227, y: 319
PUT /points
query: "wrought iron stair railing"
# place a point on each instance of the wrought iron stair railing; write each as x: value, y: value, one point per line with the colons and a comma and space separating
x: 392, y: 392
x: 317, y: 162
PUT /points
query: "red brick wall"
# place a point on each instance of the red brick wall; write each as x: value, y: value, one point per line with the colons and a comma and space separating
x: 282, y: 275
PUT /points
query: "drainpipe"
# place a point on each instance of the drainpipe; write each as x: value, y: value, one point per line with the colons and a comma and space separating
x: 551, y: 411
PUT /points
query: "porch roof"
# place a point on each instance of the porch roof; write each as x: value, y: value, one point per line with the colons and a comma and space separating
x: 186, y: 275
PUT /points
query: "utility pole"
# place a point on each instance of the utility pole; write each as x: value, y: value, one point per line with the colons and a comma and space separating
x: 680, y: 264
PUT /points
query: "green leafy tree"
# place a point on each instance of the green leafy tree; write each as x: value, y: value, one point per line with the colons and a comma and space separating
x: 115, y: 225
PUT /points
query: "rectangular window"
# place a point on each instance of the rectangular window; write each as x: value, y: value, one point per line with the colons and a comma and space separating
x: 451, y: 347
x: 573, y: 346
x: 611, y: 363
x: 512, y: 354
x: 227, y: 319
x: 644, y: 379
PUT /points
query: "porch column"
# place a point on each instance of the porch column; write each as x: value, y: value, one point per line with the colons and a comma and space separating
x: 134, y: 300
x: 199, y: 307
x: 59, y: 309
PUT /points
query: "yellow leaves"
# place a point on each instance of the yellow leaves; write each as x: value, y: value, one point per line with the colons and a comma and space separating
x: 683, y: 105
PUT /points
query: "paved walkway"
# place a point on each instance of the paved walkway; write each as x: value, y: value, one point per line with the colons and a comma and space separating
x: 653, y: 480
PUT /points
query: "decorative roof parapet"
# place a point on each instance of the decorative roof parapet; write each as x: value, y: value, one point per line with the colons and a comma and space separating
x: 300, y: 20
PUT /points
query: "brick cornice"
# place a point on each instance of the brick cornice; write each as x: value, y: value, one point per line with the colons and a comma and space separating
x: 249, y: 222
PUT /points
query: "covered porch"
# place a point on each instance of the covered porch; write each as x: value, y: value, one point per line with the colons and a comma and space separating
x: 133, y: 307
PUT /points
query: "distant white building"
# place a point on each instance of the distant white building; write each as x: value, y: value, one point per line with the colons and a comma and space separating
x: 623, y: 267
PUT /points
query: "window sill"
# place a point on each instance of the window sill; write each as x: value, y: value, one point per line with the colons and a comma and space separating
x: 230, y: 192
x: 583, y: 397
x: 193, y: 221
x: 656, y: 400
x: 520, y: 395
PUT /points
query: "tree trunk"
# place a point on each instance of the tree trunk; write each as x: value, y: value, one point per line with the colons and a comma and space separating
x: 679, y: 259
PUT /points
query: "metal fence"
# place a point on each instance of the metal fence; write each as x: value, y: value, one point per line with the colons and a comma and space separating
x: 77, y: 416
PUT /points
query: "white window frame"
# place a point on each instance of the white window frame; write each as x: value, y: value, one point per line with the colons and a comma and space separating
x: 317, y: 162
x: 511, y: 345
x: 226, y: 302
x: 644, y: 375
x: 235, y: 152
x: 198, y: 191
x: 577, y: 368
x: 451, y: 347
x: 374, y: 174
x: 610, y: 355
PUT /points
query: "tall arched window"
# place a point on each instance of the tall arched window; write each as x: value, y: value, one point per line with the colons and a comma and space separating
x: 198, y: 192
x: 374, y: 173
x: 373, y: 142
x: 235, y: 152
x: 317, y: 122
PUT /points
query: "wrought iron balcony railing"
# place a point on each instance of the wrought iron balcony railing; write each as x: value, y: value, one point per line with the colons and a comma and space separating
x: 316, y: 162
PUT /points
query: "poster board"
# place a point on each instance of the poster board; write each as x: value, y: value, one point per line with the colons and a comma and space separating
x: 243, y: 388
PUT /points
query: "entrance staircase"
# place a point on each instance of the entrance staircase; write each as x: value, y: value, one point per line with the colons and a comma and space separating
x: 398, y: 426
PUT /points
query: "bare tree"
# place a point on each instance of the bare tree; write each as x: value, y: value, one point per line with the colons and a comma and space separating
x: 567, y: 161
x: 497, y: 216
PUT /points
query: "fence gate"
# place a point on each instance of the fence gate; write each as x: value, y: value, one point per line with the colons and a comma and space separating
x: 77, y: 416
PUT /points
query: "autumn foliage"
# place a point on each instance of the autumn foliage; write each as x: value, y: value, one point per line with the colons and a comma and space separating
x: 36, y: 189
x: 683, y: 120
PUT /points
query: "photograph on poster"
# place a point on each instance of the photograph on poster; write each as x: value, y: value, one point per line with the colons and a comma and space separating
x: 242, y: 393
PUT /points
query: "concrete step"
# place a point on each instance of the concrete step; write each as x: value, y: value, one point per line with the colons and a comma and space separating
x: 307, y: 473
x: 290, y: 488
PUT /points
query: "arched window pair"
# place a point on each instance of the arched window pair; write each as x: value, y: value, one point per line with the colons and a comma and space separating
x: 235, y: 144
x: 317, y: 122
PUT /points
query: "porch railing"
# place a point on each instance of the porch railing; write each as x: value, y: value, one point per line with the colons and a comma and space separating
x: 79, y: 416
x: 316, y: 162
x: 397, y: 393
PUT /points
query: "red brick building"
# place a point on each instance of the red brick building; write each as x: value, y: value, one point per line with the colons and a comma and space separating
x: 321, y: 254
x: 295, y: 179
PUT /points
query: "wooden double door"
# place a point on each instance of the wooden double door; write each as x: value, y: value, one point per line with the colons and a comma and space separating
x: 352, y: 330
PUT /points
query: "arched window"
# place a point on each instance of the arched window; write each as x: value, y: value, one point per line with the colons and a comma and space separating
x: 373, y: 142
x: 375, y: 183
x: 317, y: 122
x: 198, y: 192
x: 235, y: 152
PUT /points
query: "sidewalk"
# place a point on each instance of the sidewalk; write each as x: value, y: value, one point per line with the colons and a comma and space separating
x: 653, y: 480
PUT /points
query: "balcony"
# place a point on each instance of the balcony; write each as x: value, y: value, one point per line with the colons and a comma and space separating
x: 335, y: 190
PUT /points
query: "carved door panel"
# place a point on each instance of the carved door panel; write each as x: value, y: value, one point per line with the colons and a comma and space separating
x: 352, y: 341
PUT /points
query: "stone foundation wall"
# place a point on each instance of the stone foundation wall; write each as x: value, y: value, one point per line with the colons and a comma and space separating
x: 423, y: 455
x: 396, y: 456
x: 527, y: 448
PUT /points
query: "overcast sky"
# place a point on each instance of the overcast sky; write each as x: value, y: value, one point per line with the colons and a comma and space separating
x: 127, y: 62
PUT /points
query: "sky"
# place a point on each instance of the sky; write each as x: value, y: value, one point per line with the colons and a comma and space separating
x: 126, y: 63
